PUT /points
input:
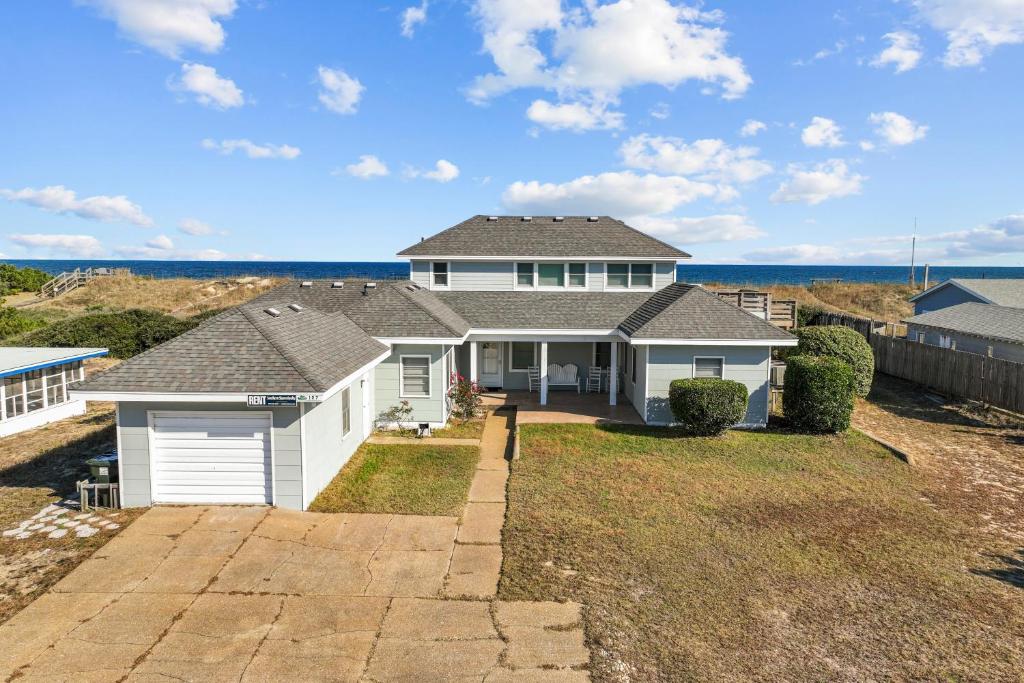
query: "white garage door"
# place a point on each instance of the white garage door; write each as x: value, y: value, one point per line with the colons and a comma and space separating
x: 211, y: 457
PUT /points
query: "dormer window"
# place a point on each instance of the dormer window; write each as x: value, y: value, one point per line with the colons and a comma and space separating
x: 439, y: 275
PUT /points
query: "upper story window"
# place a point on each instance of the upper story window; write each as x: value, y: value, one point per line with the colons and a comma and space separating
x: 551, y: 274
x: 630, y: 276
x: 577, y: 274
x: 439, y: 274
x: 524, y: 275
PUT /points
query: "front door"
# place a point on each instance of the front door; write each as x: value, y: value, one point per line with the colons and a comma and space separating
x: 490, y: 364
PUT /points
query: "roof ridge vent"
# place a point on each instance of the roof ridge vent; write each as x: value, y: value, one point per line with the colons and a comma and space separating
x: 338, y: 284
x: 526, y: 219
x: 272, y: 312
x: 295, y: 307
x: 559, y: 219
x: 492, y: 218
x: 592, y: 219
x: 368, y: 286
x: 306, y: 283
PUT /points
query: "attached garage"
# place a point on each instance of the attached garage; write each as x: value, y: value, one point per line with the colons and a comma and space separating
x: 211, y: 457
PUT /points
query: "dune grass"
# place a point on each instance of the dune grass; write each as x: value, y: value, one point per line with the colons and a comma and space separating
x: 408, y: 479
x: 754, y: 556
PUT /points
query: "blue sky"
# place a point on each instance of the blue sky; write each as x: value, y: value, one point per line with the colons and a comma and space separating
x: 797, y: 132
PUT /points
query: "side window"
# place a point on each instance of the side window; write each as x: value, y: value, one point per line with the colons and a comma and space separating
x: 346, y: 411
x: 440, y: 274
x: 415, y: 376
x: 551, y: 274
x: 641, y: 275
x: 707, y: 368
x: 618, y: 275
x: 523, y: 355
x: 632, y: 373
x: 524, y: 274
x: 577, y: 274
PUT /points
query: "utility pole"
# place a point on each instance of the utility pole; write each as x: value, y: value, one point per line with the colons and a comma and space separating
x: 913, y: 252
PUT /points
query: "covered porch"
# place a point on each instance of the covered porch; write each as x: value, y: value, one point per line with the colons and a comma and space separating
x: 564, y: 407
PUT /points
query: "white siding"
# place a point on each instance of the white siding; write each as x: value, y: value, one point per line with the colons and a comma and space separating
x: 484, y: 276
x: 746, y: 364
x: 326, y: 449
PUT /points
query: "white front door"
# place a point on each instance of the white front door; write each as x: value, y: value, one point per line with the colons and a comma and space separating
x: 211, y: 457
x: 490, y: 364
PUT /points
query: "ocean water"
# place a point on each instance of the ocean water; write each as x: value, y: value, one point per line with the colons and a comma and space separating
x: 732, y: 274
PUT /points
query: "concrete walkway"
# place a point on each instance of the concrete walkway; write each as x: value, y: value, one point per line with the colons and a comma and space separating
x: 260, y: 594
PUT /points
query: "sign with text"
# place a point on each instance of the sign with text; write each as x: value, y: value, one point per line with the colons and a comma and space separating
x: 272, y: 401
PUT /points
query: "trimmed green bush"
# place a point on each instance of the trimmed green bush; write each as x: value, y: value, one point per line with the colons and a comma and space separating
x: 707, y: 407
x: 805, y: 313
x: 126, y: 333
x: 843, y: 343
x: 818, y: 396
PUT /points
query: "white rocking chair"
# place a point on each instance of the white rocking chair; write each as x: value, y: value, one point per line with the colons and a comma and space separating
x: 533, y: 373
x: 594, y: 379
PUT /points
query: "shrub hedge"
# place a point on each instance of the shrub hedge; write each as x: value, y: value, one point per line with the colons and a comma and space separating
x: 707, y: 407
x: 126, y: 333
x: 843, y: 343
x: 13, y: 321
x: 14, y: 279
x: 818, y: 397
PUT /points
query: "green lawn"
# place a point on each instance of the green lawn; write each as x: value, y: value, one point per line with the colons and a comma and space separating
x: 408, y: 479
x: 764, y: 556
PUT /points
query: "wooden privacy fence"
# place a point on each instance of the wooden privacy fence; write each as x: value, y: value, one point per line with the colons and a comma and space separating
x: 971, y: 376
x: 964, y: 375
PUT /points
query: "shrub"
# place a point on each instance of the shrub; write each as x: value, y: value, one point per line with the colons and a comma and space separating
x: 13, y: 321
x: 14, y: 280
x: 805, y: 314
x: 465, y: 396
x: 818, y: 397
x: 126, y: 333
x: 707, y: 407
x: 394, y: 417
x: 843, y: 343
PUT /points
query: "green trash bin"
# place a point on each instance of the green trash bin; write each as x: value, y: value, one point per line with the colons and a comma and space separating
x: 103, y: 468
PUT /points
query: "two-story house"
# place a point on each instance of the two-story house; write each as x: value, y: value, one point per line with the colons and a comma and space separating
x: 266, y: 401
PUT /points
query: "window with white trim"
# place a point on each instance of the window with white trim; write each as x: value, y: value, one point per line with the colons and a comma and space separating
x: 34, y: 390
x: 55, y: 385
x: 522, y: 355
x: 346, y: 411
x: 415, y: 376
x: 641, y: 275
x: 577, y: 274
x: 439, y: 274
x: 14, y: 390
x: 551, y: 274
x: 632, y: 374
x: 945, y: 341
x: 707, y: 368
x: 618, y: 275
x: 524, y: 275
x: 629, y: 275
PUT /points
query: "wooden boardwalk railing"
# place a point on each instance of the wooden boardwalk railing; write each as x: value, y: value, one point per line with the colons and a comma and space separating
x: 951, y: 372
x: 67, y: 281
x: 781, y: 312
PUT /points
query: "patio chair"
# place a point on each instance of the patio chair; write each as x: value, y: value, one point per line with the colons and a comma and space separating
x: 594, y: 379
x: 533, y: 372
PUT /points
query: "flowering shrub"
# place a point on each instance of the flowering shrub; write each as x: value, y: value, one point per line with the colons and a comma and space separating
x: 465, y: 396
x: 394, y: 417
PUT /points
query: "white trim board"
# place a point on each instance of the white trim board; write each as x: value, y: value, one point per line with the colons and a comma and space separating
x: 713, y: 342
x: 524, y: 257
x: 430, y: 375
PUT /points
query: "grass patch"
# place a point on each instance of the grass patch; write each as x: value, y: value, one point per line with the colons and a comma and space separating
x: 402, y: 479
x: 764, y: 555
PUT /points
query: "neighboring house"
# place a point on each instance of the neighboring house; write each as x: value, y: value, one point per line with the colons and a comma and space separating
x: 985, y: 329
x: 265, y: 402
x: 1001, y: 292
x: 35, y: 383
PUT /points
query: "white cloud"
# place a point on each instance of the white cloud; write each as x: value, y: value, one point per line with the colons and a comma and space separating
x: 866, y: 145
x: 709, y: 160
x: 974, y: 28
x: 682, y: 230
x: 615, y: 193
x: 367, y: 167
x: 169, y: 26
x: 661, y: 111
x: 160, y: 242
x: 412, y: 17
x: 903, y: 52
x: 1002, y: 236
x: 824, y: 53
x: 171, y: 254
x: 897, y: 129
x: 573, y: 116
x: 822, y: 132
x: 194, y: 227
x: 828, y: 180
x: 752, y: 127
x: 251, y: 149
x: 76, y: 246
x: 339, y: 92
x: 59, y: 199
x: 444, y: 172
x: 209, y: 88
x: 592, y: 52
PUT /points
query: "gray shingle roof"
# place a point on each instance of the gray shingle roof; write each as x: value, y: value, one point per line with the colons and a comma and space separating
x: 543, y: 310
x: 573, y: 236
x: 1004, y: 323
x: 999, y: 291
x: 245, y: 350
x: 682, y: 311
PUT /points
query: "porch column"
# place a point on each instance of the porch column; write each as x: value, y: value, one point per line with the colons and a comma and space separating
x: 613, y: 375
x: 543, y: 373
x: 474, y: 375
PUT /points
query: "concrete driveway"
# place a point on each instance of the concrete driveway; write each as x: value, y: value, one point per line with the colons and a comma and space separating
x: 259, y: 594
